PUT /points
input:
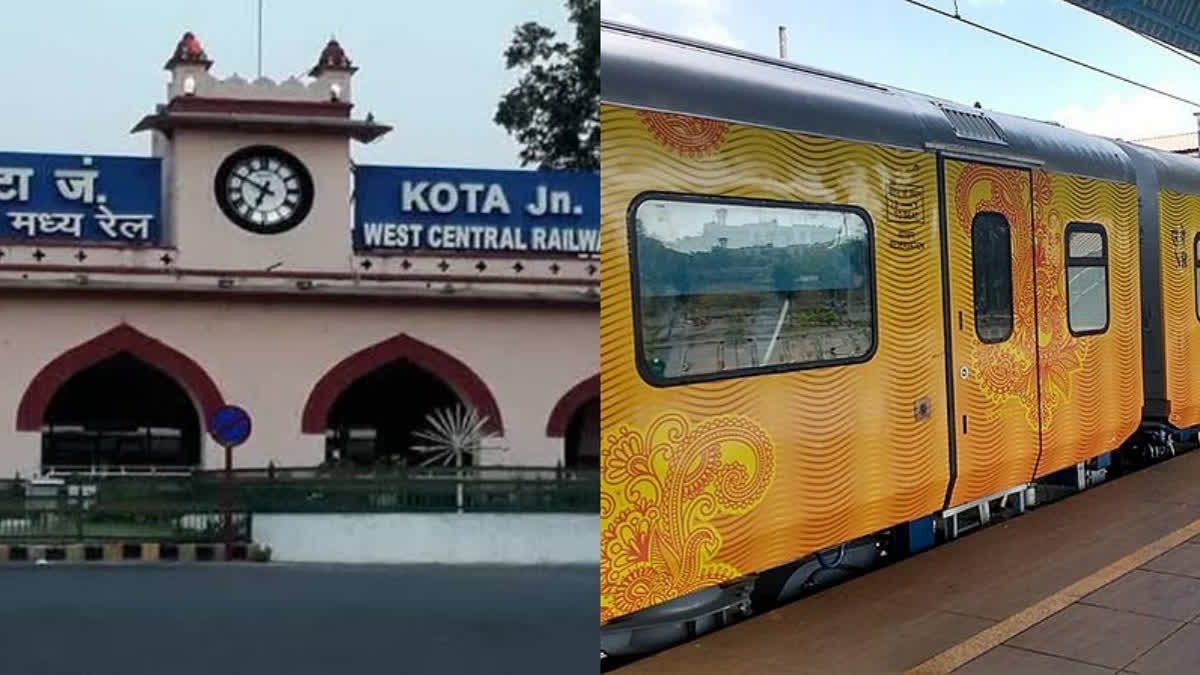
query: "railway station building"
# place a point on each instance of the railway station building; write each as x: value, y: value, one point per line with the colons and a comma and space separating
x: 1187, y: 143
x: 247, y: 260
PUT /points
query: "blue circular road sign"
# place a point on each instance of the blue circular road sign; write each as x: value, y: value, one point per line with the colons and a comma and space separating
x: 230, y: 425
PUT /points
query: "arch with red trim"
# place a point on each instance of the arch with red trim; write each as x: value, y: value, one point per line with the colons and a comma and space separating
x: 456, y: 374
x: 569, y: 404
x: 123, y: 339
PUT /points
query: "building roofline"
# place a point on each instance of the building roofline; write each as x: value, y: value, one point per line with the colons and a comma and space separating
x: 168, y: 122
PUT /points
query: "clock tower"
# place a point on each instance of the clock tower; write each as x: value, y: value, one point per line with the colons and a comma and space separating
x: 257, y: 173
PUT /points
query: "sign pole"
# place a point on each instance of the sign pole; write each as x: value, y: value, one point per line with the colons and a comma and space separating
x: 228, y: 506
x: 229, y: 426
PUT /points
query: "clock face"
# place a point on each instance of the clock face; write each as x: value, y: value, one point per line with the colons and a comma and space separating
x: 264, y: 190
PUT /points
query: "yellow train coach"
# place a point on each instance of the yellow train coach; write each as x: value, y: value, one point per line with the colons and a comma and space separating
x: 838, y: 317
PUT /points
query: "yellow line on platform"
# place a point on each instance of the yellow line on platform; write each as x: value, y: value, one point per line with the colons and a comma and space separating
x: 976, y: 645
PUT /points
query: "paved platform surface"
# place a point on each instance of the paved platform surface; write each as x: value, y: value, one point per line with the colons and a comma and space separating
x: 900, y: 617
x: 1145, y: 621
x: 299, y: 620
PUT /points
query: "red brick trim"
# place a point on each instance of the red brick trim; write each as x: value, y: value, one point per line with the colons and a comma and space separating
x: 124, y: 338
x: 254, y: 106
x: 571, y: 402
x: 469, y: 386
x: 312, y: 275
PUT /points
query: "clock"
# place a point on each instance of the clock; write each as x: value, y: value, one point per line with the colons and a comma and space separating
x: 264, y: 190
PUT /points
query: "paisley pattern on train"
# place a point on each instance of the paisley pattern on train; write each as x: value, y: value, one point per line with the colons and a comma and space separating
x: 679, y: 479
x: 1091, y: 385
x: 995, y: 386
x: 855, y: 447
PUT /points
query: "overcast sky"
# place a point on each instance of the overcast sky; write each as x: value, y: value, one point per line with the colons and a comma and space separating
x: 78, y: 74
x: 893, y: 42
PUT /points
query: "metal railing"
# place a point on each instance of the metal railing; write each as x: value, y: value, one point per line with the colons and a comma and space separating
x: 65, y: 520
x: 311, y: 490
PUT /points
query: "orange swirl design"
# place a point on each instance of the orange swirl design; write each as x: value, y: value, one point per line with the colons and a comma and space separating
x: 857, y: 460
x: 999, y: 395
x: 661, y: 540
x: 1091, y: 386
x: 1004, y: 369
x: 689, y: 136
x: 1007, y: 369
x: 1180, y: 218
x: 1060, y: 355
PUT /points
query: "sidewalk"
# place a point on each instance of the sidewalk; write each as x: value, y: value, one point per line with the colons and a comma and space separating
x: 1146, y: 621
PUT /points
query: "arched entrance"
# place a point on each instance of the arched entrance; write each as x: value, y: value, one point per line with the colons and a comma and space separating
x: 576, y: 419
x: 122, y: 399
x: 121, y: 412
x: 373, y: 420
x: 370, y: 404
x: 581, y: 449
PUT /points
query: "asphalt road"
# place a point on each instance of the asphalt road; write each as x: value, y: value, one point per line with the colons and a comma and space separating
x: 297, y: 619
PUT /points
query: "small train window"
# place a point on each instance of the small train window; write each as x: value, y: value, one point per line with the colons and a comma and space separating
x: 991, y: 272
x: 1087, y: 278
x: 728, y: 287
x: 1196, y: 267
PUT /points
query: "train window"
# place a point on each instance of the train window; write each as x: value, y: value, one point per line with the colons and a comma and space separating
x: 1196, y: 256
x: 728, y: 287
x: 991, y: 272
x: 1087, y: 278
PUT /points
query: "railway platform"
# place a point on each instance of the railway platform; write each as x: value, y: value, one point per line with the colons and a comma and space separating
x: 1104, y: 581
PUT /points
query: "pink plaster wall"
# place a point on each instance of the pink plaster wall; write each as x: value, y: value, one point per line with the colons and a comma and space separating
x: 266, y: 357
x: 207, y: 239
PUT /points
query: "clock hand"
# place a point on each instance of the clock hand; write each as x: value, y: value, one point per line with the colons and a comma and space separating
x: 263, y: 188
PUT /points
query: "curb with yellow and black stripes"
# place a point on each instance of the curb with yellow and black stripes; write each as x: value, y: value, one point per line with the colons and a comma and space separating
x: 133, y: 552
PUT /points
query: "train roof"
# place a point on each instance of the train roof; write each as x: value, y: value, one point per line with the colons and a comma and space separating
x: 1172, y: 171
x: 650, y: 70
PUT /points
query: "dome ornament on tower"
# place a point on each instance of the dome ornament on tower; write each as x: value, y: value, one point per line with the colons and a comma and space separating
x: 188, y: 50
x: 333, y: 58
x: 198, y: 99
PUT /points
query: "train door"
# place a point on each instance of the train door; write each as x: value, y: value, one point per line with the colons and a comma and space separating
x: 991, y: 319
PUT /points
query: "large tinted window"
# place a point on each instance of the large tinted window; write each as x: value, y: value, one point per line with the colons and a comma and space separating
x: 991, y: 268
x: 734, y: 286
x: 1087, y: 278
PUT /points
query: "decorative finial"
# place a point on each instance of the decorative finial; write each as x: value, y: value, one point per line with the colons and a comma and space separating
x: 332, y: 57
x: 188, y: 50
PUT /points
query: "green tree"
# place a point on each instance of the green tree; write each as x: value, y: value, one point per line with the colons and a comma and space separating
x: 554, y: 111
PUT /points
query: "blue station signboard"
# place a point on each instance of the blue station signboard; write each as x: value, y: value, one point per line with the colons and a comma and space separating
x: 80, y: 198
x: 532, y: 213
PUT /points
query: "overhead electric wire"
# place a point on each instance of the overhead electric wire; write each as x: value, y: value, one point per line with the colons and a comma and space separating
x: 1053, y: 53
x: 1169, y: 46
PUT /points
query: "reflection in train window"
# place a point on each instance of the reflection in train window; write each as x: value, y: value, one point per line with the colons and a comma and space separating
x: 729, y: 287
x: 1087, y: 279
x: 991, y: 272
